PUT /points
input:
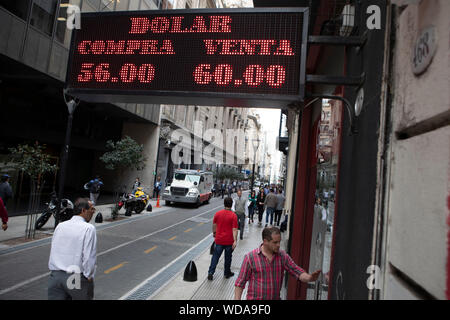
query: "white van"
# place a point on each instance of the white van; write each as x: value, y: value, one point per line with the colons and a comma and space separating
x: 189, y: 186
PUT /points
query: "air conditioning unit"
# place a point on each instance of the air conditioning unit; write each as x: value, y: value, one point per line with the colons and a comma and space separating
x: 348, y: 20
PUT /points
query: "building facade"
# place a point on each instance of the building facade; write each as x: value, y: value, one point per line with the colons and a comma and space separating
x: 34, y: 50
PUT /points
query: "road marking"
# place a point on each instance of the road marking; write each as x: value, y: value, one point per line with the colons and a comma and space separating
x: 162, y: 270
x: 151, y: 249
x: 173, y: 238
x: 26, y: 282
x: 115, y: 268
x: 201, y: 223
x: 188, y: 230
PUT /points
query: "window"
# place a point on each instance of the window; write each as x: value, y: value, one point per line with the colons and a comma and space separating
x: 43, y: 15
x: 18, y: 8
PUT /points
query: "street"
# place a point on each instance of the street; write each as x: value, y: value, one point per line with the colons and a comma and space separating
x: 127, y: 253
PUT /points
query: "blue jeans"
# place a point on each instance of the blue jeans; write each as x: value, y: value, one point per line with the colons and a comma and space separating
x: 269, y: 212
x: 216, y: 256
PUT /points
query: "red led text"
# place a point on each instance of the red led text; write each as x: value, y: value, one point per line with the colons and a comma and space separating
x: 128, y: 73
x: 126, y: 47
x: 254, y: 75
x: 249, y: 47
x: 209, y: 24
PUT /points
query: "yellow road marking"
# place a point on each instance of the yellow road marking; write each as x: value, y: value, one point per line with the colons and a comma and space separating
x: 151, y: 249
x: 201, y: 223
x: 172, y: 238
x: 115, y: 268
x: 190, y: 229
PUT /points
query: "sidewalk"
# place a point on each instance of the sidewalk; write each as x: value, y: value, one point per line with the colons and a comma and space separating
x: 15, y: 234
x: 219, y: 288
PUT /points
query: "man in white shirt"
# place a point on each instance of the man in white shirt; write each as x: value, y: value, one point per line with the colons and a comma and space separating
x: 73, y: 256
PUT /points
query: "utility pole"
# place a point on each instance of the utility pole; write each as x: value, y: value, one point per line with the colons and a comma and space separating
x: 71, y: 106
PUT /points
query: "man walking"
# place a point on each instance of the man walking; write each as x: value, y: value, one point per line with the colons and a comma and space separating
x: 280, y: 206
x: 271, y: 204
x: 73, y: 256
x: 5, y: 189
x: 225, y: 230
x: 241, y: 209
x: 263, y: 268
x: 94, y: 189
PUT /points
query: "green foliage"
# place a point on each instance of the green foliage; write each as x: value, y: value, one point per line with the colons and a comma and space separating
x: 229, y: 173
x: 32, y: 160
x: 125, y: 153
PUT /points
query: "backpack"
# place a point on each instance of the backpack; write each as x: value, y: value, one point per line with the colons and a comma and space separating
x: 94, y: 186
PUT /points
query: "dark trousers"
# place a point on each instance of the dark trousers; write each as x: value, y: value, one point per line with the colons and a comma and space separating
x: 278, y: 216
x: 216, y: 256
x: 260, y: 213
x: 241, y: 224
x: 251, y: 212
x: 58, y: 287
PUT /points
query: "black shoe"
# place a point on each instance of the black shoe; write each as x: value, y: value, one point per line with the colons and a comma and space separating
x: 229, y: 275
x: 210, y: 276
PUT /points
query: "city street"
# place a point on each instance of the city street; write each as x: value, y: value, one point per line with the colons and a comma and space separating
x: 127, y: 253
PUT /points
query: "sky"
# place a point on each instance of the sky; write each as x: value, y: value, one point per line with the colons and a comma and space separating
x: 270, y: 122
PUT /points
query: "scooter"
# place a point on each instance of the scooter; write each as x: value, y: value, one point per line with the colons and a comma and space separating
x: 65, y: 213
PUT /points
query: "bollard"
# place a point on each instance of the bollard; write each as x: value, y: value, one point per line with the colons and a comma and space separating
x: 190, y: 273
x: 99, y: 218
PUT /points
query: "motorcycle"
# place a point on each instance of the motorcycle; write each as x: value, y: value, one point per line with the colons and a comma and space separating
x: 65, y: 213
x: 134, y: 202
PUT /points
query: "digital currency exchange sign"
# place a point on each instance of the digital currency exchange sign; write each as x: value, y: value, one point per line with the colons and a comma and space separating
x: 227, y: 57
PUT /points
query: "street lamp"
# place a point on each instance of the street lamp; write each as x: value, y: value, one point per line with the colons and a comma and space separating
x: 71, y: 105
x: 255, y: 147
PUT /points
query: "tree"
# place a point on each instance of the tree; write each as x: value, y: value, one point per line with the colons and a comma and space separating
x: 32, y: 161
x: 123, y: 154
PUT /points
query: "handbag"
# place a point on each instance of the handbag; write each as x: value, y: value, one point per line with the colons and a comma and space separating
x: 213, y: 247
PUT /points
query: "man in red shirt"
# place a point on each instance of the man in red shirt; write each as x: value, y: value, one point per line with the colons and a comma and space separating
x: 264, y: 269
x: 225, y: 231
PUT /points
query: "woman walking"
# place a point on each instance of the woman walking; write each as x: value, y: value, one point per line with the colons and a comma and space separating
x: 251, y: 207
x: 260, y: 203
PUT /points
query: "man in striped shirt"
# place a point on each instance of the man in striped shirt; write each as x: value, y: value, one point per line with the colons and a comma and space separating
x: 264, y: 269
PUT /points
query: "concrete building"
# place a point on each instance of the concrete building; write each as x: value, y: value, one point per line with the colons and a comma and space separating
x: 33, y: 61
x: 379, y: 160
x: 195, y: 121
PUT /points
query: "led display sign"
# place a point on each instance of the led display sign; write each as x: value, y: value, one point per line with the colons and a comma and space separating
x: 230, y: 57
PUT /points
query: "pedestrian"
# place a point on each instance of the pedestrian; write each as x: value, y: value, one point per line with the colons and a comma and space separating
x: 225, y: 232
x: 5, y: 189
x: 271, y: 204
x: 260, y: 204
x: 280, y: 206
x: 3, y: 215
x: 136, y: 185
x: 73, y: 256
x: 264, y: 267
x: 230, y: 190
x: 251, y: 206
x: 240, y: 207
x: 157, y: 189
x: 94, y: 189
x: 222, y: 188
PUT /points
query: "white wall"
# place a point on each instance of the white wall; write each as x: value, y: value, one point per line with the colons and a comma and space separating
x: 419, y: 166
